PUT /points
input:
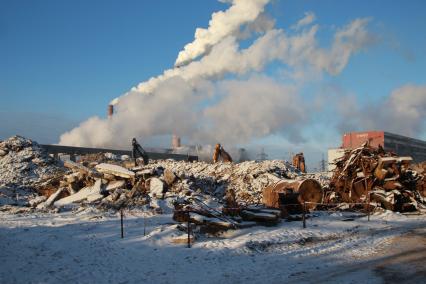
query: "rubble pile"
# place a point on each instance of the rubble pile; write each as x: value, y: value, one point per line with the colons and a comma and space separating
x: 246, y: 180
x: 209, y: 220
x: 161, y: 183
x: 111, y: 182
x: 31, y: 178
x: 23, y: 165
x: 383, y: 177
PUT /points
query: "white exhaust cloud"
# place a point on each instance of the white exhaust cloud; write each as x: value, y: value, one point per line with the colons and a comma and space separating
x: 197, y: 103
x: 308, y: 19
x: 221, y: 25
x: 403, y: 111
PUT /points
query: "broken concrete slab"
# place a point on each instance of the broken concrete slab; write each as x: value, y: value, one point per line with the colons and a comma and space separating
x: 113, y: 185
x: 156, y: 188
x: 76, y: 166
x: 54, y: 197
x: 82, y: 195
x: 36, y: 201
x: 115, y: 170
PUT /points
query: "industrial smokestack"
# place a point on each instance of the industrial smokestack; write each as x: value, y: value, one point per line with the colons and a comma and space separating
x: 175, y: 141
x: 110, y: 111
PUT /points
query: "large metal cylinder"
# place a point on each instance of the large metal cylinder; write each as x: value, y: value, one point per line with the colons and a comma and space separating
x: 289, y: 195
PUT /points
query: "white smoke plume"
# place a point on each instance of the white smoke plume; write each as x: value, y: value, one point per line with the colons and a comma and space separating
x: 221, y: 25
x: 307, y: 20
x: 403, y: 111
x: 195, y: 102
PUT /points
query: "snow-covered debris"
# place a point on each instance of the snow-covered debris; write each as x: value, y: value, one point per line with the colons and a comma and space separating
x: 113, y: 185
x: 25, y: 163
x: 156, y: 188
x: 91, y: 193
x: 247, y: 179
x: 115, y: 170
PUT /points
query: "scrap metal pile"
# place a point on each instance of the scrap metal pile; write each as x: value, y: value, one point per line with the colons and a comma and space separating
x: 381, y: 176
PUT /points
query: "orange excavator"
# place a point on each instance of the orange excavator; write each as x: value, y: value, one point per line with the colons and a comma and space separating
x: 219, y: 152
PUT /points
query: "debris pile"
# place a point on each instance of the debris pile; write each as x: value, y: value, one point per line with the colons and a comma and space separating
x: 216, y: 195
x: 383, y: 177
x: 245, y: 180
x: 23, y: 165
x: 111, y: 182
x: 210, y: 220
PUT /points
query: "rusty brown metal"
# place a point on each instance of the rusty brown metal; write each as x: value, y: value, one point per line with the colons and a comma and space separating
x: 219, y: 152
x: 369, y: 174
x: 289, y: 195
x: 299, y: 162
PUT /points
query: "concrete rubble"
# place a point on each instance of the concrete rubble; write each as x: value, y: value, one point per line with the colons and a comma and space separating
x: 23, y: 165
x: 215, y: 197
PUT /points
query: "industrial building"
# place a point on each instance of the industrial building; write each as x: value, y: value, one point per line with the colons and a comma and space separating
x: 400, y: 145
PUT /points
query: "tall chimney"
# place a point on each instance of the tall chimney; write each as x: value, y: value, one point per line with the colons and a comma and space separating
x: 110, y: 111
x: 175, y: 141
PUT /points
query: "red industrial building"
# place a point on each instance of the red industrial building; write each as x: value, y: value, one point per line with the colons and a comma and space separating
x: 401, y: 145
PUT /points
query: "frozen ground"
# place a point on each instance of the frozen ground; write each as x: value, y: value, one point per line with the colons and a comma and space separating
x: 86, y: 247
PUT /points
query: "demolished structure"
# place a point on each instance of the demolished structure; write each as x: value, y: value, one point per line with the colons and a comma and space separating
x: 216, y: 196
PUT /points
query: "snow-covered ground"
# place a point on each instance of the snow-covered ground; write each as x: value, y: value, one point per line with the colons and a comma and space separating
x: 86, y: 247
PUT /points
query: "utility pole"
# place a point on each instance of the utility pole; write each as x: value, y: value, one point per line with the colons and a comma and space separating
x: 262, y: 156
x: 322, y: 163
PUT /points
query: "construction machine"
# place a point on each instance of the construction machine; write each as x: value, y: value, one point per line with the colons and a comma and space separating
x: 299, y: 162
x: 138, y: 151
x: 220, y: 153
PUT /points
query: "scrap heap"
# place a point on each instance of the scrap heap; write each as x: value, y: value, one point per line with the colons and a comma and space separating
x: 24, y: 165
x: 111, y: 182
x: 385, y: 178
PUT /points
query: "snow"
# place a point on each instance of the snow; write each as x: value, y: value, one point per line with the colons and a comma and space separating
x: 25, y: 163
x: 90, y: 193
x: 114, y: 170
x: 84, y: 246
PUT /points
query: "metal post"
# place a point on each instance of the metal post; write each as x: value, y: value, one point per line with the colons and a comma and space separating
x: 189, y: 231
x: 304, y: 214
x: 144, y: 224
x: 368, y: 207
x: 368, y: 195
x: 122, y: 229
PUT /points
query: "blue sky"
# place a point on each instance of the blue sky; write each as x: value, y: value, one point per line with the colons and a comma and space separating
x: 63, y: 61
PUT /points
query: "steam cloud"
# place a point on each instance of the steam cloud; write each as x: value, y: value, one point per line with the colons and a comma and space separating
x: 221, y: 25
x: 195, y: 101
x: 402, y: 111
